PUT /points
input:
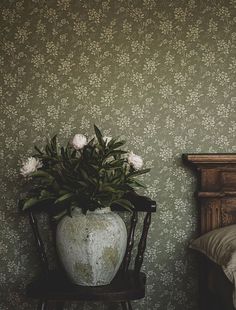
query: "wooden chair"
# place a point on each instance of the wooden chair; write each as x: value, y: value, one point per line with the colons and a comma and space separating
x: 128, y: 284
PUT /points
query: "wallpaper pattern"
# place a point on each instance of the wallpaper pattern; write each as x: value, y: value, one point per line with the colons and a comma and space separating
x: 161, y: 74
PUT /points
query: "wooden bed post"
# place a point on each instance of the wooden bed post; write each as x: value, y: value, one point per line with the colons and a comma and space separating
x: 216, y: 191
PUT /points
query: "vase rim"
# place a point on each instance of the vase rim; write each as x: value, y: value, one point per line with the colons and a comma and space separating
x: 96, y: 211
x: 100, y: 211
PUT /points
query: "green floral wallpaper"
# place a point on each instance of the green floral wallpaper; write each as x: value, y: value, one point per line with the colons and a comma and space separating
x: 159, y: 73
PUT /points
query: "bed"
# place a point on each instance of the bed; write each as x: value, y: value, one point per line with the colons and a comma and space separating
x: 216, y: 196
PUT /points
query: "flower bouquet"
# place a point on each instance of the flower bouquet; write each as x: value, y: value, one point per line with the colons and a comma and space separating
x: 87, y: 174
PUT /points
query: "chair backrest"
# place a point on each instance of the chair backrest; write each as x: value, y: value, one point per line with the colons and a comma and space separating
x: 141, y: 203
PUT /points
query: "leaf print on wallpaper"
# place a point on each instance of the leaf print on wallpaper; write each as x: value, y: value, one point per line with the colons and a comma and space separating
x: 158, y: 73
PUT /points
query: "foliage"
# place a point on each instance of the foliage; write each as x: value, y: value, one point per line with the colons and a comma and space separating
x: 96, y: 176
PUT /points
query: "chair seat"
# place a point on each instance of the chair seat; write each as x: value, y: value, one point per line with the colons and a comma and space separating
x: 56, y: 286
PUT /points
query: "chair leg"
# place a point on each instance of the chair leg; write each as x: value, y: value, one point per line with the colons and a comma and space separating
x: 126, y: 305
x: 42, y: 305
x: 59, y: 305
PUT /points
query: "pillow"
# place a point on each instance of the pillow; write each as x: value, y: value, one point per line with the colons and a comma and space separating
x: 220, y: 246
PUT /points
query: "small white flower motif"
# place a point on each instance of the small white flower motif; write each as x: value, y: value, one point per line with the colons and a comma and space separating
x: 30, y: 165
x: 135, y: 161
x: 79, y: 141
x: 107, y: 139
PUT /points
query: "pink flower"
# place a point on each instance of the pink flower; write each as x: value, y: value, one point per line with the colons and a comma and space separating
x: 135, y: 161
x: 79, y: 141
x: 30, y: 165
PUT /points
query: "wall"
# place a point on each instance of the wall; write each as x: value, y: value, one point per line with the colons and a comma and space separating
x: 159, y: 73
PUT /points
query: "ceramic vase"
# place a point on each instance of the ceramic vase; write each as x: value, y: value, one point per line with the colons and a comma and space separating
x: 92, y: 246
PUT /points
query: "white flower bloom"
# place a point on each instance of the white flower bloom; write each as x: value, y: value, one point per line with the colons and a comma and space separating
x: 30, y: 165
x: 79, y: 141
x: 107, y: 139
x: 135, y: 161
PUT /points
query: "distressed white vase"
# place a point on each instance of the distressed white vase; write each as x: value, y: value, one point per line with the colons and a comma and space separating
x: 92, y: 246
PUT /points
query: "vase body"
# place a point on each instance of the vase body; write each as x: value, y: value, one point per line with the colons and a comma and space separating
x: 92, y: 246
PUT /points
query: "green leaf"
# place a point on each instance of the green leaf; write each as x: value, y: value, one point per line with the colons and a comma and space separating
x: 62, y: 192
x: 114, y: 163
x: 69, y: 210
x: 30, y: 203
x: 45, y: 194
x: 43, y: 174
x: 99, y: 136
x: 77, y: 165
x: 82, y: 183
x: 64, y: 197
x: 90, y: 143
x: 63, y: 153
x: 59, y: 215
x: 111, y: 143
x: 54, y: 144
x: 37, y: 201
x: 38, y: 150
x: 125, y: 187
x: 137, y: 184
x: 20, y: 203
x: 84, y: 174
x: 48, y: 150
x: 115, y: 152
x: 138, y: 172
x: 73, y: 154
x: 124, y: 203
x: 54, y: 140
x: 108, y: 189
x: 118, y: 144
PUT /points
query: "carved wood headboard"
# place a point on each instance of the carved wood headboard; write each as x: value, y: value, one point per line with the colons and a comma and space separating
x: 216, y: 191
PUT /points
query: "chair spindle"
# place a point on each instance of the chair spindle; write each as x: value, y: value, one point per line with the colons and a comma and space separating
x: 142, y: 243
x: 130, y: 241
x: 39, y: 242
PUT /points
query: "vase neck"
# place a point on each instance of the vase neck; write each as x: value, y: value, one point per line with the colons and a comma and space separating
x: 100, y: 211
x: 96, y: 211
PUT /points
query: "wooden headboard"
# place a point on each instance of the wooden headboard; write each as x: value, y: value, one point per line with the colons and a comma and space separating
x: 216, y: 192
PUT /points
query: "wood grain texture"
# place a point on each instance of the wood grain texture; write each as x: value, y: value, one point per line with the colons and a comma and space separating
x: 142, y: 242
x: 216, y: 190
x: 209, y: 158
x: 216, y: 197
x: 140, y: 203
x: 55, y: 286
x: 130, y: 242
x: 39, y: 241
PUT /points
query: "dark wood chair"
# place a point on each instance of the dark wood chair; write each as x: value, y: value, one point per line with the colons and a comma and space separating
x: 128, y: 284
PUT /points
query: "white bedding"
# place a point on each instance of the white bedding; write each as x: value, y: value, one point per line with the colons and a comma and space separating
x: 219, y: 245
